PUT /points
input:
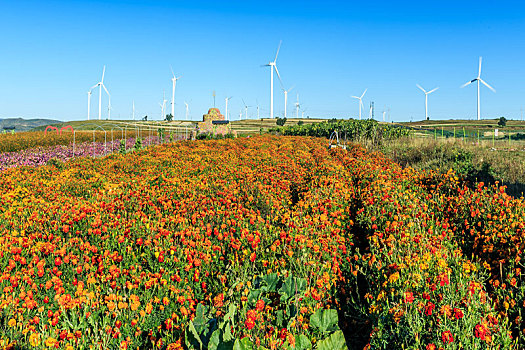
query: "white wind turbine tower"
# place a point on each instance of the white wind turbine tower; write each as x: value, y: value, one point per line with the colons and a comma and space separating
x: 226, y: 110
x: 245, y: 109
x: 273, y: 65
x: 100, y: 85
x: 174, y: 82
x: 286, y: 98
x: 187, y: 109
x: 478, y: 80
x: 297, y: 107
x: 360, y: 102
x: 162, y: 106
x: 426, y: 98
x: 89, y: 102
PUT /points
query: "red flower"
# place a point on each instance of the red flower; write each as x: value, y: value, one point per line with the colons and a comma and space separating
x: 458, y: 313
x: 431, y: 346
x: 409, y: 297
x: 447, y: 337
x: 259, y: 305
x: 249, y: 324
x: 481, y: 331
x: 429, y: 308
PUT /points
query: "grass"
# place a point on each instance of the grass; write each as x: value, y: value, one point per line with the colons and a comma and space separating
x: 476, y: 162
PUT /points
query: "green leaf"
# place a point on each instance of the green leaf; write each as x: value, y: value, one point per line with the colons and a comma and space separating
x: 280, y: 318
x: 302, y: 342
x: 336, y: 341
x: 291, y: 287
x: 229, y: 317
x: 227, y: 335
x: 215, y: 340
x: 253, y: 296
x: 243, y: 344
x: 325, y: 320
x: 200, y: 320
x: 192, y: 337
x: 271, y: 281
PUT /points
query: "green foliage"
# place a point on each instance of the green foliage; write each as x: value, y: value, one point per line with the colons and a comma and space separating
x: 138, y: 144
x: 280, y: 121
x: 300, y: 122
x: 122, y: 146
x: 502, y: 121
x: 161, y: 133
x: 210, y: 136
x: 56, y: 163
x: 169, y: 117
x: 351, y: 130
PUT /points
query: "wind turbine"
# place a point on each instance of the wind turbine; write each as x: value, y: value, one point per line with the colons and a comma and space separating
x: 426, y: 98
x: 187, y: 109
x: 245, y: 109
x: 478, y: 80
x: 273, y: 66
x: 226, y: 111
x: 286, y: 98
x: 162, y: 106
x: 100, y: 85
x: 174, y: 82
x: 89, y: 101
x: 360, y: 102
x: 297, y: 107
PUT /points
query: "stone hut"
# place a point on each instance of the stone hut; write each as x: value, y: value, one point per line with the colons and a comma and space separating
x: 213, y: 123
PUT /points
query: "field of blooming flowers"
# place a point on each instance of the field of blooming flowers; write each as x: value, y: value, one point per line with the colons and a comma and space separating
x: 268, y: 242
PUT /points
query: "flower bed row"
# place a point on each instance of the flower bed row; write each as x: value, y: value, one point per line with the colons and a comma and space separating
x: 270, y: 242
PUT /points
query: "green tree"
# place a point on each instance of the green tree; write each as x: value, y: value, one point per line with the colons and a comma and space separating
x: 502, y: 121
x: 169, y: 117
x: 280, y: 121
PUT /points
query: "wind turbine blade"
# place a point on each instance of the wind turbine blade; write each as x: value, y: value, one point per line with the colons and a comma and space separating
x: 290, y: 89
x: 172, y: 71
x: 487, y: 85
x: 467, y: 83
x: 421, y: 88
x: 104, y: 86
x: 431, y: 91
x: 278, y: 75
x: 479, y: 73
x: 103, y: 72
x: 364, y: 93
x: 265, y: 65
x: 244, y: 103
x: 356, y: 97
x: 94, y: 86
x: 278, y: 48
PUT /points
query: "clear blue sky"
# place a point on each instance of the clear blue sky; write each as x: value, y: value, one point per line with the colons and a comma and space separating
x: 52, y: 52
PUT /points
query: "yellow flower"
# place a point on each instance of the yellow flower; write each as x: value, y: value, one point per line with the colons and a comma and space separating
x: 393, y: 277
x: 34, y: 339
x: 11, y: 323
x: 51, y: 342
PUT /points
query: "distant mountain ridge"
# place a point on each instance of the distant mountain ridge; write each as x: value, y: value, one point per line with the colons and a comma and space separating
x: 21, y: 124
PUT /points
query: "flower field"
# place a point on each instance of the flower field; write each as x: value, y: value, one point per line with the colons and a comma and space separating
x: 265, y: 242
x: 39, y: 156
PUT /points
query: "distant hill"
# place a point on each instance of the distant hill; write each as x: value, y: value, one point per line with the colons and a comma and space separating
x: 21, y: 124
